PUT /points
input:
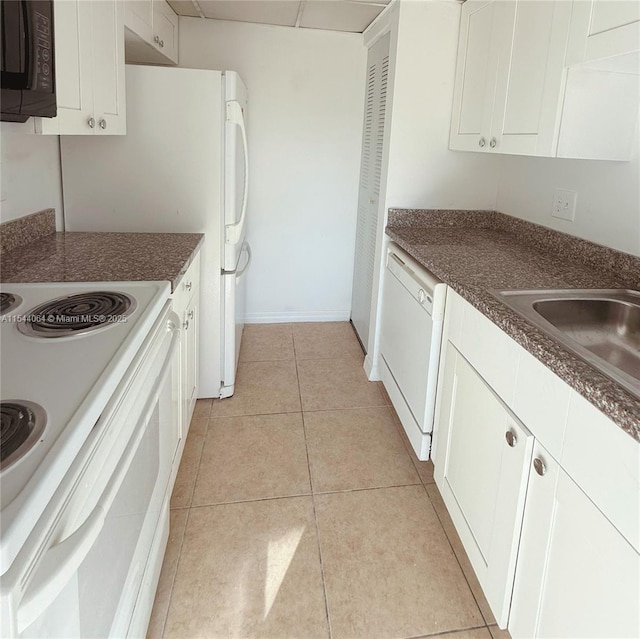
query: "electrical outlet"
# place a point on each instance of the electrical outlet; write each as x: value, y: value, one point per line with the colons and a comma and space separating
x: 564, y: 204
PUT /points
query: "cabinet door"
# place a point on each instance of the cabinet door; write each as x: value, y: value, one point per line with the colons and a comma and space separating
x: 190, y: 361
x: 108, y: 67
x: 530, y: 76
x: 165, y: 28
x: 568, y: 583
x: 370, y: 179
x: 603, y: 29
x: 74, y: 84
x: 476, y: 73
x: 483, y: 476
x: 139, y: 18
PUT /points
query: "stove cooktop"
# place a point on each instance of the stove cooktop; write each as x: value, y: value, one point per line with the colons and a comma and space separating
x: 68, y: 380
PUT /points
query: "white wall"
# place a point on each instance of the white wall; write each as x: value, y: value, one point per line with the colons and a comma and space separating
x: 608, y: 202
x: 421, y: 171
x: 306, y: 93
x: 29, y: 172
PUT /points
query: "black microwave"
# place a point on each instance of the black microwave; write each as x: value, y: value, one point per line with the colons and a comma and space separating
x: 27, y: 78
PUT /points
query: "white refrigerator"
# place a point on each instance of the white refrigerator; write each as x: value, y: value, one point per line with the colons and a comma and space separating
x: 181, y: 167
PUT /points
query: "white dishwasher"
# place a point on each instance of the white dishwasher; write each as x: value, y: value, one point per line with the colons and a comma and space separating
x: 413, y: 304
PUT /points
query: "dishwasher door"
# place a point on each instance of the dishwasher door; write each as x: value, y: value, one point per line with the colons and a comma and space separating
x: 412, y: 315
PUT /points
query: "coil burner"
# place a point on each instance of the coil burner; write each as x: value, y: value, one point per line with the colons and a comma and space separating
x: 21, y: 423
x: 78, y: 314
x: 9, y: 301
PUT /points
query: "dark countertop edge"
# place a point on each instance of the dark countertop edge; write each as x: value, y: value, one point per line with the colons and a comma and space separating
x: 567, y: 367
x: 34, y: 247
x: 176, y: 280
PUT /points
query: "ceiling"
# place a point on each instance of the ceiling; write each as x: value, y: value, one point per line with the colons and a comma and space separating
x: 352, y: 16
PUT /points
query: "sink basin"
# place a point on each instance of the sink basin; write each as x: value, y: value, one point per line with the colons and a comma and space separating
x: 600, y: 326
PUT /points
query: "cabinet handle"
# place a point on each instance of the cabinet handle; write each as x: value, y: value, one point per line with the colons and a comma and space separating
x: 157, y: 39
x: 91, y: 122
x: 539, y: 466
x: 511, y: 438
x: 493, y: 143
x: 422, y: 296
x: 162, y: 44
x: 188, y: 286
x: 102, y: 124
x: 190, y: 316
x: 185, y: 325
x: 481, y: 142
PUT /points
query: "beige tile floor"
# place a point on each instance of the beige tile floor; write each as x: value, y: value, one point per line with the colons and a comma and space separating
x: 300, y: 510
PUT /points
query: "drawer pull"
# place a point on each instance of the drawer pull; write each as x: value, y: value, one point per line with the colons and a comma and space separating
x: 188, y: 286
x: 511, y: 438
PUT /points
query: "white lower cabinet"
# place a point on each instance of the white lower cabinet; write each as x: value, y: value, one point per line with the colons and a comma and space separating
x: 483, y: 476
x: 550, y: 523
x: 190, y: 326
x: 186, y: 304
x: 577, y: 575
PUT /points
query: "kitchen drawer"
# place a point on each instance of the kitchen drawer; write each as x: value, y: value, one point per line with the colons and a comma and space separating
x: 187, y: 286
x: 541, y: 401
x: 488, y: 349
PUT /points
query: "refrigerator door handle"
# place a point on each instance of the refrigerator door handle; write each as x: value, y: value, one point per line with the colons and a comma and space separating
x: 247, y: 249
x: 233, y: 232
x: 238, y: 272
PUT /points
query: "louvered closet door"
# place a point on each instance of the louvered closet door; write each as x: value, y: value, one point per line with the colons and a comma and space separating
x: 370, y: 176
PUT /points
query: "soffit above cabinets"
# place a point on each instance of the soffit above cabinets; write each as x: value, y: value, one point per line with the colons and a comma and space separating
x: 352, y: 16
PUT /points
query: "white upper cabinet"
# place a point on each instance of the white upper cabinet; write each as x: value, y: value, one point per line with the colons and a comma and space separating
x: 522, y: 86
x: 138, y: 18
x: 90, y: 88
x: 475, y: 83
x: 151, y: 34
x: 604, y: 29
x: 509, y: 76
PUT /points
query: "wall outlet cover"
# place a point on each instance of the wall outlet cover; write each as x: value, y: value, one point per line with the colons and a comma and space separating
x: 564, y: 204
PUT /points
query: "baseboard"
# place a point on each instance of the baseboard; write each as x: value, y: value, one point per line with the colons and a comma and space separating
x: 294, y: 316
x: 372, y: 370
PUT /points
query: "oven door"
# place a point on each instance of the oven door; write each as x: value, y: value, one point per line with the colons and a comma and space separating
x: 112, y: 532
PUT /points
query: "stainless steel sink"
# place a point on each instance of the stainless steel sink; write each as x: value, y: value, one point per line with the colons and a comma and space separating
x: 600, y: 326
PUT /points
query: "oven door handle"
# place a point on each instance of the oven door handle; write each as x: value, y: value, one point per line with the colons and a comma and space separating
x: 62, y: 560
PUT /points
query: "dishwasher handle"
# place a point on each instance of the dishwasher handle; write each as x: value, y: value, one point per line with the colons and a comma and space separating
x: 420, y: 284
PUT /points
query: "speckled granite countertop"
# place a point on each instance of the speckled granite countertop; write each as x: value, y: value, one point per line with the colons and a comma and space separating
x: 97, y: 257
x: 474, y: 251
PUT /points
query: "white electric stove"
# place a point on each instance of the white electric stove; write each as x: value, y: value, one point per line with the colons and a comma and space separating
x: 60, y: 365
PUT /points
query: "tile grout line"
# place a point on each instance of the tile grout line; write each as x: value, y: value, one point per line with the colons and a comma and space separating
x: 295, y: 495
x: 175, y: 572
x: 186, y: 523
x: 441, y: 633
x: 315, y: 519
x: 486, y: 623
x: 313, y: 501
